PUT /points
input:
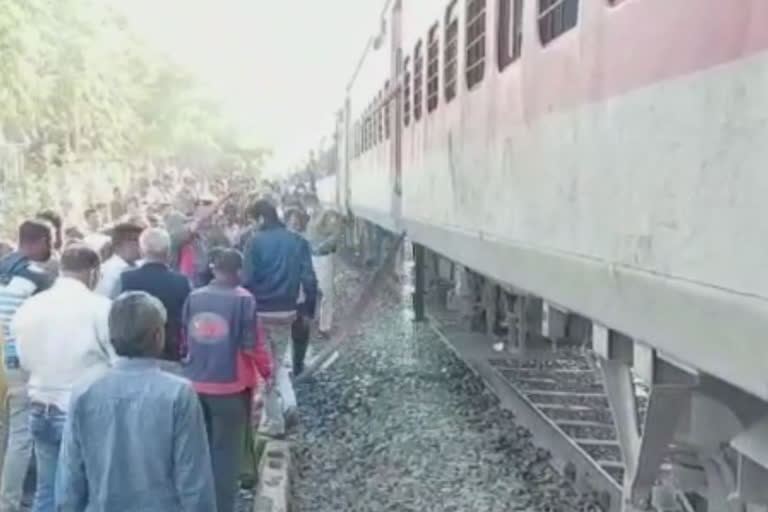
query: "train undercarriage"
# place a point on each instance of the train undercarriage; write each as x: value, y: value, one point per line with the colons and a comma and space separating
x: 643, y: 431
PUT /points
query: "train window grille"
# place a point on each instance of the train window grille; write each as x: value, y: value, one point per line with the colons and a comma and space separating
x: 475, y: 46
x: 433, y: 69
x: 556, y: 17
x: 407, y: 93
x: 372, y: 126
x: 358, y: 140
x: 450, y: 52
x: 361, y: 136
x: 380, y: 115
x: 367, y: 133
x: 386, y: 110
x: 370, y: 129
x: 510, y: 33
x: 418, y: 81
x: 376, y: 120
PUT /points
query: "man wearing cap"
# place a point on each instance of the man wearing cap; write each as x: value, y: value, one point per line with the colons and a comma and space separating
x: 125, y: 244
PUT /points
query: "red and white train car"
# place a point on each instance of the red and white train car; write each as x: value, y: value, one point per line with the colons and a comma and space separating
x: 608, y: 156
x: 370, y: 155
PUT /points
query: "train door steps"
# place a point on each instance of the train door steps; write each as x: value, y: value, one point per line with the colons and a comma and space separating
x: 573, y: 424
x: 273, y: 492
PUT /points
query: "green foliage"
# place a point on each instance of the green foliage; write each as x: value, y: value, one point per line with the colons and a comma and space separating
x: 79, y: 88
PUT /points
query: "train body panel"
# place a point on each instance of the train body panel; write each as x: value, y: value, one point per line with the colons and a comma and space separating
x: 371, y: 179
x: 606, y: 157
x: 621, y: 192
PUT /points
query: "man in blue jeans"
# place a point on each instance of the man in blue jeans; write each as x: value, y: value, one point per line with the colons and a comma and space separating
x: 21, y: 277
x: 62, y: 336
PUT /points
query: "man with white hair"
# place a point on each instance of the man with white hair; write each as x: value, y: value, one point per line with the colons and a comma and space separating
x: 157, y: 279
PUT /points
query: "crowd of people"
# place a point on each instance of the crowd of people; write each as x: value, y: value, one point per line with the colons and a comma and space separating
x: 133, y: 344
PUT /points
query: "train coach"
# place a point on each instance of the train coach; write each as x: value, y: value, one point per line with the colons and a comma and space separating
x: 602, y: 160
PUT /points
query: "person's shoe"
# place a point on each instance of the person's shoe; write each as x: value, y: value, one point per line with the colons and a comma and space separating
x: 291, y: 418
x: 247, y: 482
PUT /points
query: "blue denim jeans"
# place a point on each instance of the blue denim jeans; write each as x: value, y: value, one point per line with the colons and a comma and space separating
x: 18, y: 451
x: 46, y: 423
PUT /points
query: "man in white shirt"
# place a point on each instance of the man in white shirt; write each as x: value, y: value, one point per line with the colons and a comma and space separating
x: 125, y: 243
x: 62, y: 336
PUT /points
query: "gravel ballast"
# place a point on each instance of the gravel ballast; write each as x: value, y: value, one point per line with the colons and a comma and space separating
x: 398, y: 423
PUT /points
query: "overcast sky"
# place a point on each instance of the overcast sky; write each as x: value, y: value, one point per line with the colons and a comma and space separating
x: 280, y: 66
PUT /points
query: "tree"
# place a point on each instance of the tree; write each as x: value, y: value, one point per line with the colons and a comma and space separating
x: 79, y: 88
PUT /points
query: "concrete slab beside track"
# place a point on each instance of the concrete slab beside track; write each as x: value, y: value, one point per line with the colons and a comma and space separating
x: 273, y: 492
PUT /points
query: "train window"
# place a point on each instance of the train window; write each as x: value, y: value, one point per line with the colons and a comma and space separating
x: 475, y: 45
x: 367, y: 133
x: 386, y: 110
x: 433, y: 70
x: 363, y: 136
x: 556, y: 17
x: 418, y: 81
x: 371, y: 128
x: 375, y: 121
x: 450, y: 52
x: 380, y: 117
x: 355, y: 146
x: 360, y: 134
x: 358, y: 139
x: 510, y: 33
x: 407, y: 92
x: 371, y: 134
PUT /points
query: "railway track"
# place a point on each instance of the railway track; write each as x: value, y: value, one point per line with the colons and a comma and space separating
x: 558, y: 396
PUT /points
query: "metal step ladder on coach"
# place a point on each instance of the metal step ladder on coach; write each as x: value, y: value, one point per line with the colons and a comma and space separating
x: 642, y: 431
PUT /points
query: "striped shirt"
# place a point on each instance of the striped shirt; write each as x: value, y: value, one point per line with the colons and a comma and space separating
x: 19, y: 280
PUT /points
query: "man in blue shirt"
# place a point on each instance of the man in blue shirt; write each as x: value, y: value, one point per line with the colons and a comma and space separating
x: 135, y: 437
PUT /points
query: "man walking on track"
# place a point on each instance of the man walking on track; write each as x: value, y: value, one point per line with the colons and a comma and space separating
x: 278, y: 263
x: 225, y: 355
x: 324, y: 234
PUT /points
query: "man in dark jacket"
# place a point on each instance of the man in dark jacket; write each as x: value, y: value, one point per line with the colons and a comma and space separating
x: 158, y: 280
x: 278, y: 264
